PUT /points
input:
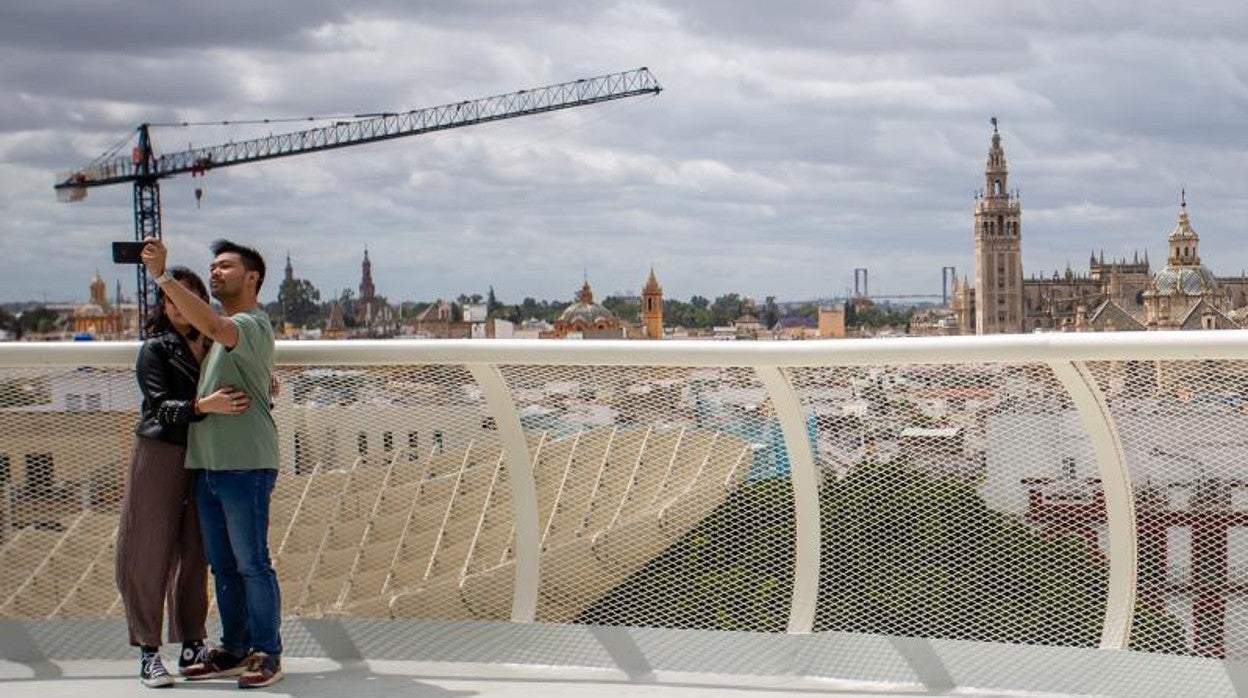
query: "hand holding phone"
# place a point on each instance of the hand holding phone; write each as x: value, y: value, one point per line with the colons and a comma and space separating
x: 128, y: 252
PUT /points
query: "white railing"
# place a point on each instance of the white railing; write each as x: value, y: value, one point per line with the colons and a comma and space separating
x: 1010, y: 417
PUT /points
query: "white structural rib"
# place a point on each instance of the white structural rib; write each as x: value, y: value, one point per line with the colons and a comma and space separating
x: 1119, y: 505
x: 805, y: 497
x: 523, y: 489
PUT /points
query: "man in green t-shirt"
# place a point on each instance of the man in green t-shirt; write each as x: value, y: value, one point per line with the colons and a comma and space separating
x: 236, y: 455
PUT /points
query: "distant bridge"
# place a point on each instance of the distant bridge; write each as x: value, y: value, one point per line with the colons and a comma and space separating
x: 948, y: 277
x: 897, y: 296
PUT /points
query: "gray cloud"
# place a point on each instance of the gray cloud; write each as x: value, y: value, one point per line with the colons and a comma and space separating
x: 794, y: 141
x: 128, y: 27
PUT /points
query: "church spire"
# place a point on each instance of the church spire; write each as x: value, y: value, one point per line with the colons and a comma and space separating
x: 652, y: 283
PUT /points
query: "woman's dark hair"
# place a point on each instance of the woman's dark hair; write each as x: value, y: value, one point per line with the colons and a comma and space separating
x: 157, y: 320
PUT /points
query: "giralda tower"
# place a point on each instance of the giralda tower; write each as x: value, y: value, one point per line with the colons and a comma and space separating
x: 998, y: 249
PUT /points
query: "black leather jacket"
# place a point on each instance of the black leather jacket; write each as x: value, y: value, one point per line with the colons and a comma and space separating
x: 167, y: 373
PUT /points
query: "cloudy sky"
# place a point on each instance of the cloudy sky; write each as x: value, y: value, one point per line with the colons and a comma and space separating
x: 793, y: 142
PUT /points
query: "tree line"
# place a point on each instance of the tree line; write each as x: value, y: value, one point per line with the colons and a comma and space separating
x: 300, y: 303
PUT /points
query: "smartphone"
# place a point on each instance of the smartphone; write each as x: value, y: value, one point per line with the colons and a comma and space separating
x: 127, y: 252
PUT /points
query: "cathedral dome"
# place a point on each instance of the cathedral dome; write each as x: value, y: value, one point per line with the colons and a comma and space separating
x: 1185, y: 280
x: 1183, y: 273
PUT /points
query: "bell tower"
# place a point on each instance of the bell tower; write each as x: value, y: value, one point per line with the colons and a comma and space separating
x: 652, y: 307
x: 368, y: 292
x: 998, y: 249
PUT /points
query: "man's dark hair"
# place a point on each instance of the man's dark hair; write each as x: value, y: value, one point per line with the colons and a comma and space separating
x: 252, y: 261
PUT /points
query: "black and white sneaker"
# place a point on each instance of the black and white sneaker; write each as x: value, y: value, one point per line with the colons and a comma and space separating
x: 152, y: 672
x: 192, y: 653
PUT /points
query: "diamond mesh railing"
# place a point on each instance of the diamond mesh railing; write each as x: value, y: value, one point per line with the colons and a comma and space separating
x: 1072, y: 490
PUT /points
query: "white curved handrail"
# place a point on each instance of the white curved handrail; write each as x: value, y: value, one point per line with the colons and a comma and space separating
x: 1226, y: 345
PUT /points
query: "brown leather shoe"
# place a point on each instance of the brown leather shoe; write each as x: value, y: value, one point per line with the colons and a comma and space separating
x: 262, y: 670
x: 217, y: 663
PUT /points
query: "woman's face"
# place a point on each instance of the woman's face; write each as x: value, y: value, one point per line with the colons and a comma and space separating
x: 176, y: 318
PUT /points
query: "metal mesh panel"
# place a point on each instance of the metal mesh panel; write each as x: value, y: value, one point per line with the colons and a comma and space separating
x: 389, y: 473
x: 636, y: 470
x: 1184, y: 432
x: 956, y: 502
x: 66, y: 442
x: 391, y: 484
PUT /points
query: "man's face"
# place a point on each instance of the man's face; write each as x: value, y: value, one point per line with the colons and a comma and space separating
x: 228, y: 278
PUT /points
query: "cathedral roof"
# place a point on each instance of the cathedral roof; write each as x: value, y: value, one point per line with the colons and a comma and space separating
x: 1193, y: 318
x: 1110, y: 315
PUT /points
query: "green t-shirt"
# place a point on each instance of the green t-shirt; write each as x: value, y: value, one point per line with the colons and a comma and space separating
x: 247, y: 441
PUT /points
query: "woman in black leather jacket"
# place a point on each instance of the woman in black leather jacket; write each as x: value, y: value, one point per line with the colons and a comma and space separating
x: 159, y: 551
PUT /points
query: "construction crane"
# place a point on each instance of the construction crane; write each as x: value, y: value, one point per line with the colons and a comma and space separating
x: 145, y: 168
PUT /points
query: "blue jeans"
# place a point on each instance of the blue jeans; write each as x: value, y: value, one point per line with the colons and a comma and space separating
x: 234, y: 519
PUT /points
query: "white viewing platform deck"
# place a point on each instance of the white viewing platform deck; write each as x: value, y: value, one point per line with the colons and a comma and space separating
x: 422, y: 658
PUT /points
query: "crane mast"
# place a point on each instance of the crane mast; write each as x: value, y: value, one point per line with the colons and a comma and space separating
x: 144, y: 168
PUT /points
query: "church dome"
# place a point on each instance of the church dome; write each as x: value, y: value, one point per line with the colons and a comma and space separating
x: 1183, y: 273
x: 1185, y: 280
x: 585, y: 313
x: 590, y: 314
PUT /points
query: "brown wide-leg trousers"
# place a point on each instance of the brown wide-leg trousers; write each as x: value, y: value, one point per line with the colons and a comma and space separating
x: 160, y: 554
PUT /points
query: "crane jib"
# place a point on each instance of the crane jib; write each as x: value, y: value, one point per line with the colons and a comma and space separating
x: 369, y: 128
x: 144, y: 169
